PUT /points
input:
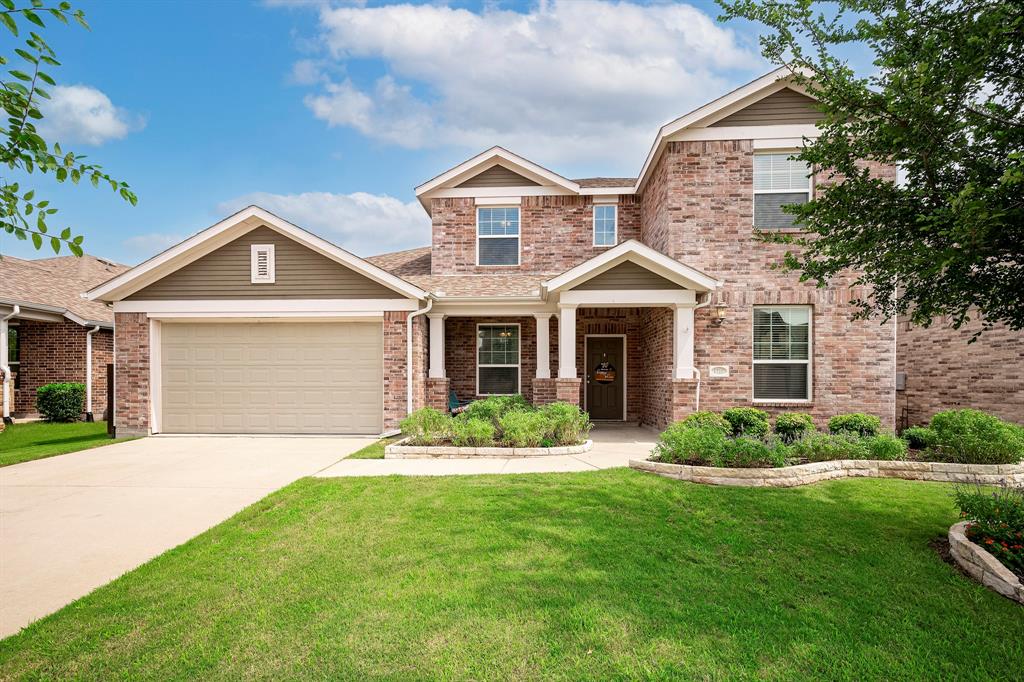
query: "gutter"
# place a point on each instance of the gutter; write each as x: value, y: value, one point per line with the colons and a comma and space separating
x: 696, y: 399
x: 408, y: 352
x: 88, y: 373
x: 5, y: 369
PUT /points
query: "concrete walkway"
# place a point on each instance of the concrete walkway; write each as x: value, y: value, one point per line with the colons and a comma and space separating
x: 71, y: 523
x: 614, y: 446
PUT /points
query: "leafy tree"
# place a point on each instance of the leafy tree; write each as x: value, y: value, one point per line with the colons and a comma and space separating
x: 23, y: 150
x: 944, y: 102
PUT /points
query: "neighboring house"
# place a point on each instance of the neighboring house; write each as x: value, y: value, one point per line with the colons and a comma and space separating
x: 638, y: 298
x: 49, y: 332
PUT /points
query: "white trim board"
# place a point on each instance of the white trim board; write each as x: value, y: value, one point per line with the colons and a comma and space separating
x: 266, y: 307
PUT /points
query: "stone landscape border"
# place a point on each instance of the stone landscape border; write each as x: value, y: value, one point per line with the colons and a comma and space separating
x: 804, y: 474
x: 982, y: 566
x: 399, y: 451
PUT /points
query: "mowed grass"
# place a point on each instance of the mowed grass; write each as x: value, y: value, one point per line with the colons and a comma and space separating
x: 35, y: 440
x: 611, y: 574
x: 374, y: 450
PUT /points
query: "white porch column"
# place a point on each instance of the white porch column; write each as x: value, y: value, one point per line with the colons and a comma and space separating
x: 436, y: 345
x: 682, y: 342
x: 5, y: 370
x: 566, y: 342
x: 543, y: 345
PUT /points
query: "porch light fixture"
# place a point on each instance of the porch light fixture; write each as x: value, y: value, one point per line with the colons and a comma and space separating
x: 719, y: 314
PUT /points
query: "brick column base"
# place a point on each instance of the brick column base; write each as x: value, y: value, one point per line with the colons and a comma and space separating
x: 544, y: 391
x: 684, y: 398
x: 437, y: 393
x: 568, y: 390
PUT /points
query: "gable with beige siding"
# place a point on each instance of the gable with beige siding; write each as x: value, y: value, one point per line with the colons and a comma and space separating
x: 498, y: 176
x: 626, y: 276
x: 780, y: 108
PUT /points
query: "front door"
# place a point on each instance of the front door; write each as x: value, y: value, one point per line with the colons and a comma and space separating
x: 606, y: 376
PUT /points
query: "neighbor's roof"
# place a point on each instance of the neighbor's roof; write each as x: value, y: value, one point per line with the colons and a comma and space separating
x: 57, y: 284
x: 413, y: 265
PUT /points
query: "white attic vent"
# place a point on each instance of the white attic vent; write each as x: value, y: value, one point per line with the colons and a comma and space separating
x: 262, y: 263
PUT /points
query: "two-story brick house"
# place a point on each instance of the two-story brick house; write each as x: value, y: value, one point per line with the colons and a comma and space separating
x: 637, y: 298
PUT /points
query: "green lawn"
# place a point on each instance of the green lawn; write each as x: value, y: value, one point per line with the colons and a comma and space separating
x: 600, y: 575
x: 35, y: 440
x: 374, y: 451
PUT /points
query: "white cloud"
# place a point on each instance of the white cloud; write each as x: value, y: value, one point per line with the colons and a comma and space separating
x: 365, y: 224
x: 567, y: 81
x: 81, y: 113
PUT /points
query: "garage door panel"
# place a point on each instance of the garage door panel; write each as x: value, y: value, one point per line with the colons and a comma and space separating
x: 271, y: 378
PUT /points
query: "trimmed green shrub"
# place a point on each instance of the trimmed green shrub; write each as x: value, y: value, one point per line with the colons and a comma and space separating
x: 822, y: 447
x: 856, y: 423
x: 791, y: 426
x: 996, y: 522
x: 747, y: 421
x: 427, y: 426
x: 681, y: 443
x: 61, y: 402
x: 524, y: 429
x: 491, y: 409
x: 472, y: 433
x: 884, y: 446
x: 706, y: 418
x: 567, y: 424
x: 747, y: 452
x: 919, y: 437
x: 974, y: 437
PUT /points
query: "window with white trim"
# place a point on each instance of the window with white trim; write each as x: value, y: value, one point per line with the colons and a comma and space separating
x: 606, y: 223
x: 778, y: 180
x: 497, y: 230
x: 497, y: 359
x: 262, y: 263
x: 782, y: 353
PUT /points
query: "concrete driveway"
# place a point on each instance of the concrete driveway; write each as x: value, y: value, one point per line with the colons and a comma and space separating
x: 71, y: 523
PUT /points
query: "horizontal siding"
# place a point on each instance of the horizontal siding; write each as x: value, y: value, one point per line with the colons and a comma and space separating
x: 783, y: 107
x: 629, y: 276
x: 498, y: 176
x: 299, y: 273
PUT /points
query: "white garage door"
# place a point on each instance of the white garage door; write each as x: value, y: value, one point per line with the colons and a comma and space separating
x: 271, y: 377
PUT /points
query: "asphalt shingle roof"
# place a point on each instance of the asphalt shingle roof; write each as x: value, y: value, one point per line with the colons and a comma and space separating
x: 58, y: 283
x: 413, y: 266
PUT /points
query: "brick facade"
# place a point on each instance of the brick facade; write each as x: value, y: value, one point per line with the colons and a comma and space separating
x: 56, y: 352
x: 131, y: 374
x: 944, y: 372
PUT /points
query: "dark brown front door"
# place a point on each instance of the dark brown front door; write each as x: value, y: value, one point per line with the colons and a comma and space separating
x: 606, y: 376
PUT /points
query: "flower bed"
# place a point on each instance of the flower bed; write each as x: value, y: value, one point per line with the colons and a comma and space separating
x: 401, y: 450
x: 982, y: 566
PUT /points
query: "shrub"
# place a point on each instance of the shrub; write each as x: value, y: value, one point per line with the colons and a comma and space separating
x: 747, y: 452
x: 919, y: 437
x: 747, y: 421
x: 61, y: 402
x: 822, y: 447
x: 884, y: 446
x: 491, y: 409
x: 974, y: 437
x: 856, y: 423
x: 567, y: 424
x: 472, y: 433
x: 706, y: 418
x: 426, y: 426
x: 996, y: 522
x: 791, y: 426
x: 524, y: 429
x: 681, y: 443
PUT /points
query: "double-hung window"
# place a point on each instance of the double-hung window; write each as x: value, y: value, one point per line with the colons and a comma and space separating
x: 606, y: 219
x: 497, y: 359
x: 782, y: 353
x: 497, y: 230
x: 778, y: 180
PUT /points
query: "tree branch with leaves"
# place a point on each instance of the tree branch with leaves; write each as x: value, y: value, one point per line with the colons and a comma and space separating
x: 23, y: 150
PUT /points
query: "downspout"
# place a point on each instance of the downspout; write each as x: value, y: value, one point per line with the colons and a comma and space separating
x: 408, y: 352
x: 696, y: 401
x: 5, y: 369
x: 88, y: 373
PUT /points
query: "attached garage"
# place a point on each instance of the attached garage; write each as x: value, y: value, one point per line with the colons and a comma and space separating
x: 271, y: 377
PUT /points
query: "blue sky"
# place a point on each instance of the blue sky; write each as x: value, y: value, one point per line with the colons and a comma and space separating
x: 330, y: 115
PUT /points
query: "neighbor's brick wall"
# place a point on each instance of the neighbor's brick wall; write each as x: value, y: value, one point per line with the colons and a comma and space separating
x: 944, y: 372
x: 131, y: 375
x: 55, y: 352
x: 698, y: 208
x: 556, y: 233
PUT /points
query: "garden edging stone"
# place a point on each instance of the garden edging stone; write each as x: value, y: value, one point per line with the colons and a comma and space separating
x: 982, y: 566
x: 400, y: 451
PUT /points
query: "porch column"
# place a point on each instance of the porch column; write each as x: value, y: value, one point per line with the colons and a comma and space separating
x: 566, y: 342
x: 436, y: 345
x: 682, y: 342
x: 543, y: 345
x: 5, y: 370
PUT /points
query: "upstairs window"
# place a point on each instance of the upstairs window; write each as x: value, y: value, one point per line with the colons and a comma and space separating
x: 778, y: 181
x: 262, y: 263
x: 497, y: 359
x: 782, y: 353
x: 497, y: 230
x: 606, y: 223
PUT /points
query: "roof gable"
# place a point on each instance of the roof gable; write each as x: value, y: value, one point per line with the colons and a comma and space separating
x: 654, y: 262
x: 780, y: 107
x: 498, y: 176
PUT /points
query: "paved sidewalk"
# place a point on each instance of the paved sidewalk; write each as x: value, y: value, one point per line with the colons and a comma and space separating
x: 614, y: 446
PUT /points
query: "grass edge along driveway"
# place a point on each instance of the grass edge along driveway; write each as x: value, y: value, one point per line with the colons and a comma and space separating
x: 567, y: 576
x: 27, y: 441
